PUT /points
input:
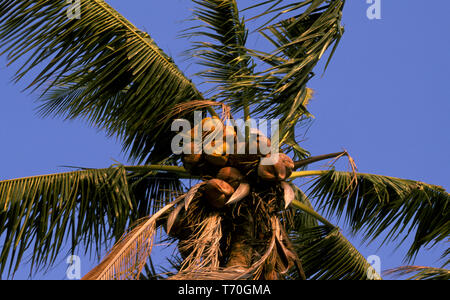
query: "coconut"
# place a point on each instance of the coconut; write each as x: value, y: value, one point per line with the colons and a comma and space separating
x: 178, y: 230
x: 217, y: 192
x: 268, y: 172
x: 209, y: 124
x: 259, y: 145
x: 263, y: 144
x: 279, y: 171
x: 288, y: 163
x: 191, y: 160
x: 231, y: 175
x: 216, y: 153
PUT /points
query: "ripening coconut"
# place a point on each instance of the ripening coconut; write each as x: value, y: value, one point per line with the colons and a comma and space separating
x: 217, y: 192
x: 288, y: 163
x: 279, y: 171
x: 210, y: 124
x: 191, y: 159
x: 231, y: 175
x: 216, y: 153
x: 261, y: 145
x: 207, y: 125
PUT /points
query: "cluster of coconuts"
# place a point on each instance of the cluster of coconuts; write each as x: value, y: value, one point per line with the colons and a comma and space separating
x: 230, y: 170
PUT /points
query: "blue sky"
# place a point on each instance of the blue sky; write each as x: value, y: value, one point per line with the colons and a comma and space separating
x: 384, y: 98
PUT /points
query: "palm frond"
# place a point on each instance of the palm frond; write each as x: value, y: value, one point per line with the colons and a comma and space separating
x: 130, y: 254
x: 88, y: 207
x: 300, y: 41
x: 325, y: 242
x: 327, y: 255
x: 301, y: 219
x: 151, y: 191
x: 377, y: 204
x: 222, y: 50
x: 108, y: 68
x: 93, y: 205
x: 421, y: 273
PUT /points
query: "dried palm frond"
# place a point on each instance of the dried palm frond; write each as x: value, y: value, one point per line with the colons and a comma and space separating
x: 204, y: 245
x: 127, y: 258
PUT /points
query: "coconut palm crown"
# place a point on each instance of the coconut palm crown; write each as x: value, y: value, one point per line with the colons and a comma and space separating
x: 238, y: 218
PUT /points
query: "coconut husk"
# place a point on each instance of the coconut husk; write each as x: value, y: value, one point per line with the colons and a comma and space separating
x: 279, y: 171
x: 231, y: 175
x: 217, y: 192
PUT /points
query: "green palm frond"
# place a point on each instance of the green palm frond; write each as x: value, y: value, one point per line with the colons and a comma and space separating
x: 327, y: 255
x: 151, y: 190
x: 115, y: 69
x: 87, y: 207
x: 300, y: 41
x: 421, y: 273
x: 324, y: 252
x: 377, y: 204
x: 93, y: 204
x: 222, y: 50
x: 302, y: 219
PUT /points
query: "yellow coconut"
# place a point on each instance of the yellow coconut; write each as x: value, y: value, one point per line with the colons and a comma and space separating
x: 210, y: 124
x: 191, y: 159
x: 216, y: 153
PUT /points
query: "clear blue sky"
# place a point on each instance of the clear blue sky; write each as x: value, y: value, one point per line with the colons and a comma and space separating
x: 384, y: 98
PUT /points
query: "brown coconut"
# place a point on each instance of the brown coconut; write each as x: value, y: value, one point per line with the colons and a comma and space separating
x: 279, y: 171
x: 288, y: 163
x: 231, y: 175
x: 217, y: 192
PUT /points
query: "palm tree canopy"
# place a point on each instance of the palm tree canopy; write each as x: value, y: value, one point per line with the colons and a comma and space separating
x: 103, y: 69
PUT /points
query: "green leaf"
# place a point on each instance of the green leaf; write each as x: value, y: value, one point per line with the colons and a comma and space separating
x: 390, y: 206
x: 327, y: 255
x: 421, y: 273
x: 300, y: 42
x: 116, y: 76
x: 92, y: 204
x: 87, y: 207
x: 220, y: 44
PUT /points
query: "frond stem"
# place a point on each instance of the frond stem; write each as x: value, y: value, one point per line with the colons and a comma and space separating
x: 310, y: 160
x: 312, y: 212
x: 172, y: 169
x: 307, y: 173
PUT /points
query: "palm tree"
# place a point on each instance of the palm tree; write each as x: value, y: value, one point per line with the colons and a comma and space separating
x: 238, y: 218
